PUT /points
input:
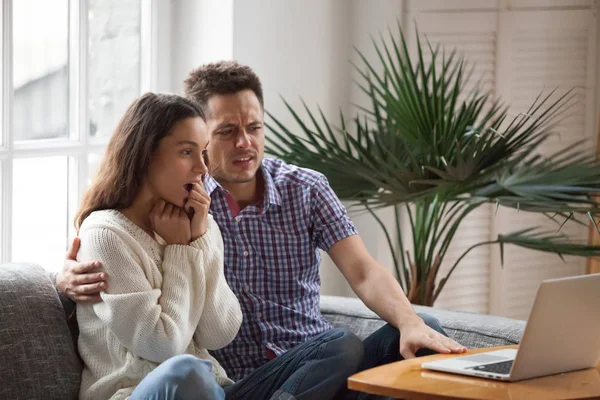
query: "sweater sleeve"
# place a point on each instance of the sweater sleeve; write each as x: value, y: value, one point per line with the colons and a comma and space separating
x: 222, y: 315
x: 153, y: 323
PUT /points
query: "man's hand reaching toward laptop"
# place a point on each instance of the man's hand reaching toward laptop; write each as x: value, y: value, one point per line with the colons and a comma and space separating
x: 81, y: 282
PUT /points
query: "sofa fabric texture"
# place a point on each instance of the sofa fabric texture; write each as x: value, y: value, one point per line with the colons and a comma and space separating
x: 37, y: 355
x: 469, y: 329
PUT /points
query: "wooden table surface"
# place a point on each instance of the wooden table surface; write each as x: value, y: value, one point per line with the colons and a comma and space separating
x: 407, y: 380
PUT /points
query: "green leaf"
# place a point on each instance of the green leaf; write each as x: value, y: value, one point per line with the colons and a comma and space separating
x: 425, y: 141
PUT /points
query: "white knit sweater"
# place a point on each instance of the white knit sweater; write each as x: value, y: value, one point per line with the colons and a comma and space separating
x: 161, y: 301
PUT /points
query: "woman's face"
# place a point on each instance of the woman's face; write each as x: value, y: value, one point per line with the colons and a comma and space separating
x: 179, y: 161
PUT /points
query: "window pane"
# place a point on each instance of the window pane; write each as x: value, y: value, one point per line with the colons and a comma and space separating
x: 39, y: 228
x: 93, y: 165
x: 1, y: 213
x: 114, y: 61
x: 40, y: 69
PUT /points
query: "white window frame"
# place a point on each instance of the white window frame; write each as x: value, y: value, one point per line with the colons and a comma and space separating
x: 78, y: 145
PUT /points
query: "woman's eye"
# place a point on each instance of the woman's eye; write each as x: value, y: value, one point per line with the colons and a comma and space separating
x: 187, y: 152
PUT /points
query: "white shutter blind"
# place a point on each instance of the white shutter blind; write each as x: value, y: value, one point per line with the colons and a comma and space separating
x: 422, y: 6
x: 520, y: 53
x: 542, y: 50
x: 474, y: 36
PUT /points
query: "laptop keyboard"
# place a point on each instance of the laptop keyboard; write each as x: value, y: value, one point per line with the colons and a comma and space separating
x: 502, y: 367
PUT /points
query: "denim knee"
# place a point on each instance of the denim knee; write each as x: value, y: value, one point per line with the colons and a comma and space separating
x: 390, y: 332
x: 351, y: 349
x: 181, y: 377
x: 432, y: 322
x: 181, y: 367
x: 194, y: 375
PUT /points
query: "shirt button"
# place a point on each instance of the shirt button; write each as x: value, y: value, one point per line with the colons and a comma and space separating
x: 237, y: 219
x: 246, y: 253
x: 246, y: 287
x: 258, y: 314
x: 269, y: 344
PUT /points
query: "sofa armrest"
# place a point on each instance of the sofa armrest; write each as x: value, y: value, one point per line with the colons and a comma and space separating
x: 38, y: 358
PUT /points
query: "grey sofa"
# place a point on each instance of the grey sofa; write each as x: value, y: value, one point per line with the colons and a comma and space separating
x: 38, y: 353
x: 469, y: 329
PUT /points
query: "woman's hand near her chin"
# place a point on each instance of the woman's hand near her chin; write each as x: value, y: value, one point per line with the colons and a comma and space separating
x: 197, y: 206
x: 170, y: 223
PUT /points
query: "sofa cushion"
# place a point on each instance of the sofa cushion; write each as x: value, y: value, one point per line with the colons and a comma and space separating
x: 469, y: 329
x: 37, y: 356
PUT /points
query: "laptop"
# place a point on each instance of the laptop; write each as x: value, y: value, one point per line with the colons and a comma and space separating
x: 562, y: 335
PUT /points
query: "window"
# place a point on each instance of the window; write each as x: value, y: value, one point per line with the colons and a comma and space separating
x: 65, y: 84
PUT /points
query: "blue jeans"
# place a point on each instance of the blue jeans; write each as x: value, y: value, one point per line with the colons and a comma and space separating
x: 316, y: 369
x: 383, y: 347
x: 180, y: 378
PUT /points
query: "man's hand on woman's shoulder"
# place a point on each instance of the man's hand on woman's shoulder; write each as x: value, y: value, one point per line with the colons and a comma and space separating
x: 81, y: 282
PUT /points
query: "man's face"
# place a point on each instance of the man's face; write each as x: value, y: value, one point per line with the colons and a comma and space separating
x: 237, y: 138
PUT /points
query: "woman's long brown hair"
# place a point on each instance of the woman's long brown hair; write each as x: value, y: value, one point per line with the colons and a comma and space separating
x: 146, y: 121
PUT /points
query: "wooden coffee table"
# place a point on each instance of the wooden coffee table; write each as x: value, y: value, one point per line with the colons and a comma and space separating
x: 407, y: 380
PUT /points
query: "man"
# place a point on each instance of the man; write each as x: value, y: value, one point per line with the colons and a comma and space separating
x: 274, y: 217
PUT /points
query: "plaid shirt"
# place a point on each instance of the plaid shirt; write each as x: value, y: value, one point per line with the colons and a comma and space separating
x: 272, y: 261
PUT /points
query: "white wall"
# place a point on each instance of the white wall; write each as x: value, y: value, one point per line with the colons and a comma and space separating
x: 369, y: 22
x: 191, y: 33
x: 299, y: 48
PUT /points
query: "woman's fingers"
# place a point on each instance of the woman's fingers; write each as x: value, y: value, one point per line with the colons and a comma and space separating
x: 198, y: 205
x: 199, y: 196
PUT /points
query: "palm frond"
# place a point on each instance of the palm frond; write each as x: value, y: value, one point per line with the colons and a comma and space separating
x: 428, y: 143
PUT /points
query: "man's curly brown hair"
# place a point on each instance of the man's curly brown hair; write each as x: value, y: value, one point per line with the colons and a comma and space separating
x: 223, y: 77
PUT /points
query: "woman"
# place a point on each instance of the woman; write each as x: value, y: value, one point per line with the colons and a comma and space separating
x: 145, y: 218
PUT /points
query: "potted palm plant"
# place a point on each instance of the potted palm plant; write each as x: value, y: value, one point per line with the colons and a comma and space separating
x: 429, y: 147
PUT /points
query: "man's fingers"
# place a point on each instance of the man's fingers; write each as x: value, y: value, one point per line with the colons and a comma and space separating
x: 407, y: 353
x: 89, y: 289
x: 89, y: 278
x: 449, y: 343
x: 83, y: 298
x: 452, y: 345
x: 437, y: 345
x: 72, y: 252
x: 83, y: 268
